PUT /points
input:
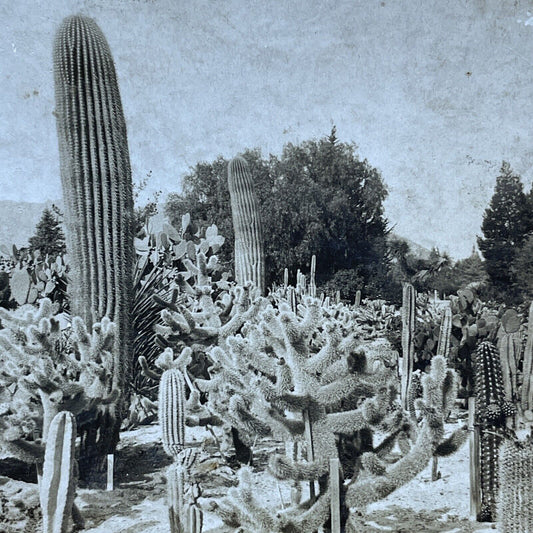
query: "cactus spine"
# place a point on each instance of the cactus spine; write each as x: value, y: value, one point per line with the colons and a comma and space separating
x: 58, y: 484
x: 249, y: 254
x: 172, y: 411
x: 515, y: 512
x: 97, y: 190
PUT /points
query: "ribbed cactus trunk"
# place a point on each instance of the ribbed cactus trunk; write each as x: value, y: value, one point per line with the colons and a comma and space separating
x: 97, y: 192
x: 445, y: 333
x: 408, y: 348
x: 58, y: 483
x: 490, y: 400
x: 249, y: 254
x: 515, y: 512
x: 172, y: 411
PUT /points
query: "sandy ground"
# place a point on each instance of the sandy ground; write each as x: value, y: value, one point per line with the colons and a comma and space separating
x: 138, y: 502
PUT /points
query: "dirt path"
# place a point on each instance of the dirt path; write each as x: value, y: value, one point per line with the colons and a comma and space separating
x: 138, y: 502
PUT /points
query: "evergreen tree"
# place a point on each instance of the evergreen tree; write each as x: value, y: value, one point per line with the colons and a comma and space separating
x: 504, y: 227
x: 469, y: 270
x: 49, y: 237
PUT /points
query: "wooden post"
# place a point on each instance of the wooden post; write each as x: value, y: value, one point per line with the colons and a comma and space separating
x: 435, y: 469
x: 110, y: 468
x: 310, y: 452
x: 475, y: 490
x: 357, y: 302
x: 335, y: 495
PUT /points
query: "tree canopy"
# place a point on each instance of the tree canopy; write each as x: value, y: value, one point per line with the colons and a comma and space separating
x: 317, y: 198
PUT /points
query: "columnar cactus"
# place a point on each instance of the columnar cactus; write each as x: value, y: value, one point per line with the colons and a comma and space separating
x: 492, y: 409
x: 526, y: 399
x: 58, y: 484
x: 185, y: 516
x: 249, y: 254
x: 515, y: 513
x: 312, y: 277
x: 175, y: 497
x: 408, y: 332
x: 172, y: 411
x: 97, y: 190
x: 445, y: 333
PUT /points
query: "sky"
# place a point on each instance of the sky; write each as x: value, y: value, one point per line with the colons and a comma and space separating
x: 434, y: 93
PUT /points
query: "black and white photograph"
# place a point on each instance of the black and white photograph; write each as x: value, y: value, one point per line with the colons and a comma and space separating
x: 266, y: 267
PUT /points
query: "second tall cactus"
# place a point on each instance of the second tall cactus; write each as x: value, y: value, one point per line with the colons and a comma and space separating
x: 249, y: 254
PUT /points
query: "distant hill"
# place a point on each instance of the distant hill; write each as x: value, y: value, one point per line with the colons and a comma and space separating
x: 416, y: 249
x: 18, y: 221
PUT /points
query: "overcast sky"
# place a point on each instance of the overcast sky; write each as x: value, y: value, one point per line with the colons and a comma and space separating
x: 435, y: 93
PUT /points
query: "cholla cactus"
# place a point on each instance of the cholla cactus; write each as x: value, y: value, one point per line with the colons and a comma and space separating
x: 43, y: 372
x: 286, y: 364
x: 515, y: 513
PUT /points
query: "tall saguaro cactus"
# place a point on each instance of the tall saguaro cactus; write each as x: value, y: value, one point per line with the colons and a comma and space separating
x: 97, y: 190
x: 249, y: 254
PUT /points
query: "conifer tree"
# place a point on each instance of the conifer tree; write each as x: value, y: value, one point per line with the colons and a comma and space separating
x: 49, y: 237
x: 504, y: 227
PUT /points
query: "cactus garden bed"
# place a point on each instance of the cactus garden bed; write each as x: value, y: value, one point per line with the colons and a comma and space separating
x: 138, y: 502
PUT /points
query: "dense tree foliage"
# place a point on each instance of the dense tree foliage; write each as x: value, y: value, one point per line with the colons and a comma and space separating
x: 317, y: 198
x: 505, y: 225
x: 523, y: 269
x: 49, y: 237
